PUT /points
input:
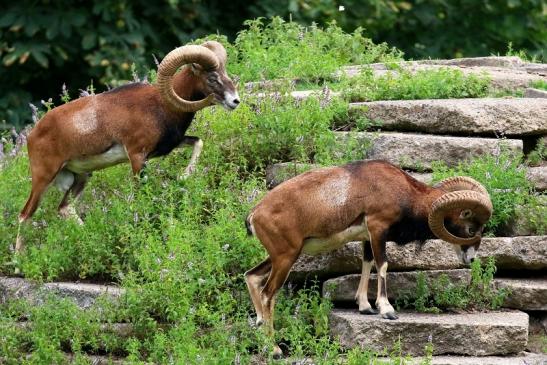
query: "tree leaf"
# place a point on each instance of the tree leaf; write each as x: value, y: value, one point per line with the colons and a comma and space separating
x: 40, y: 58
x: 89, y: 40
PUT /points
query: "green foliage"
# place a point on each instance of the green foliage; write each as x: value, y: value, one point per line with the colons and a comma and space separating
x: 404, y: 84
x: 442, y: 294
x: 539, y: 154
x: 540, y: 84
x: 282, y: 49
x: 435, y: 28
x: 502, y: 175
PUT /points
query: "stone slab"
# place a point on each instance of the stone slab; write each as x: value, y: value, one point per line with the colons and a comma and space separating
x: 524, y: 358
x: 419, y: 151
x: 343, y: 288
x: 526, y: 293
x: 535, y: 93
x: 484, y: 116
x: 475, y: 334
x: 511, y: 253
x: 83, y: 294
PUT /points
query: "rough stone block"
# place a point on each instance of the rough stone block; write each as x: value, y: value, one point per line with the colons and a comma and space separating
x: 475, y: 334
x: 484, y: 116
x: 343, y: 288
x: 419, y: 151
x: 510, y: 253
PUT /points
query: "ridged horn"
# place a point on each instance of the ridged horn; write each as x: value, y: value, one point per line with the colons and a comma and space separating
x: 477, y: 202
x: 461, y: 183
x: 171, y: 63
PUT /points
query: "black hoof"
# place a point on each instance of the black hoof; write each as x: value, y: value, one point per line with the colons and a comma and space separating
x: 389, y: 315
x: 368, y: 311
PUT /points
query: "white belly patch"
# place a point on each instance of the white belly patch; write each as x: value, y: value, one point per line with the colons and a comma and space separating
x: 113, y: 156
x: 317, y: 245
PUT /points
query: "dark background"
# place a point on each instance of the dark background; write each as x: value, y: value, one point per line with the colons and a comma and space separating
x: 44, y: 44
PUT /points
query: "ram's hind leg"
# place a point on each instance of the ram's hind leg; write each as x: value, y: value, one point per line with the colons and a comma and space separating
x: 74, y: 185
x: 43, y: 172
x: 255, y: 279
x: 362, y: 293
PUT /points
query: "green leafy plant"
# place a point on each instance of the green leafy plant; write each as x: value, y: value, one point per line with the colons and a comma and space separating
x: 442, y: 294
x: 404, y: 84
x: 502, y: 175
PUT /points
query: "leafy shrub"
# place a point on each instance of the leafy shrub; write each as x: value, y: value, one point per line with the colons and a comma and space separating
x: 442, y: 294
x: 502, y: 175
x: 403, y: 84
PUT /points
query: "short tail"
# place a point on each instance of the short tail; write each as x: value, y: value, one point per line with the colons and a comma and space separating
x: 248, y: 225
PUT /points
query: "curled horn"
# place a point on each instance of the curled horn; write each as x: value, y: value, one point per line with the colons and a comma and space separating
x: 461, y: 183
x: 477, y: 202
x: 171, y: 63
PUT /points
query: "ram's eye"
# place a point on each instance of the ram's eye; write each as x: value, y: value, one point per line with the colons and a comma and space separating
x: 465, y: 214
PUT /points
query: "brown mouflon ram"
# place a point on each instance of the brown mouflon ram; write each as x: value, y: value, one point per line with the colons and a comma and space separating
x: 369, y: 201
x: 131, y: 123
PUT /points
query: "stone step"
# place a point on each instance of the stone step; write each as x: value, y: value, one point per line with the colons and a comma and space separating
x: 277, y: 173
x: 83, y: 294
x: 419, y: 151
x: 525, y: 293
x: 474, y: 334
x: 524, y: 358
x: 485, y: 116
x: 505, y: 74
x: 343, y: 288
x: 535, y: 93
x: 510, y: 253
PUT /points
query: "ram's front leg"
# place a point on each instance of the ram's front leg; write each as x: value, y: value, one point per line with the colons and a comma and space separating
x: 196, y: 151
x: 362, y: 293
x: 379, y: 252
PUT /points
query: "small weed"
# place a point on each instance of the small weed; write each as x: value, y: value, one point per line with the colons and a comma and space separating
x: 442, y: 294
x: 539, y: 84
x: 502, y: 175
x: 539, y: 154
x: 403, y: 84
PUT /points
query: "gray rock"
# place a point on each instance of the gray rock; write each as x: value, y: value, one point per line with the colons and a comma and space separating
x: 84, y: 295
x: 490, y: 61
x: 535, y: 93
x: 526, y: 294
x: 485, y: 116
x: 518, y: 253
x: 343, y: 288
x: 475, y: 334
x: 524, y: 358
x: 538, y: 177
x: 419, y: 151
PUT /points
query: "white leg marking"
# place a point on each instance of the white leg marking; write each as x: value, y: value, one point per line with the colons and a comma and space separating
x: 198, y: 146
x: 68, y: 212
x: 362, y: 292
x: 382, y: 303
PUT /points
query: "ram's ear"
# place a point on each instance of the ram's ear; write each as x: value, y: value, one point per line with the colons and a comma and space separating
x: 196, y: 68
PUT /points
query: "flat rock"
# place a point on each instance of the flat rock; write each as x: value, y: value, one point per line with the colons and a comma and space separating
x: 84, y: 295
x: 419, y: 151
x: 535, y: 93
x: 475, y: 334
x: 526, y: 293
x: 524, y: 358
x: 489, y: 61
x: 510, y: 253
x: 505, y: 75
x: 343, y: 288
x: 485, y: 116
x: 538, y: 177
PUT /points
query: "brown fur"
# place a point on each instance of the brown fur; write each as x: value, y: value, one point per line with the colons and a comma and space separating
x: 324, y: 203
x: 133, y: 116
